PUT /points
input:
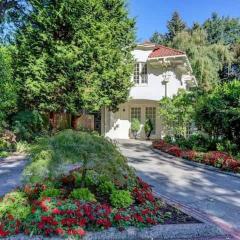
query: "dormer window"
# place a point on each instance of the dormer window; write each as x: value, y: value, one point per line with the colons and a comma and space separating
x: 140, y: 73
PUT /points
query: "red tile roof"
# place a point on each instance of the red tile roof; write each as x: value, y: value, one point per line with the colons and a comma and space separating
x: 162, y: 51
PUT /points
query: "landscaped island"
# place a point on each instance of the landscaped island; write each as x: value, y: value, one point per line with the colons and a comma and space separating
x: 102, y: 192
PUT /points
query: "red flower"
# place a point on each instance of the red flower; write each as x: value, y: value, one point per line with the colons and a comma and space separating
x: 150, y: 221
x: 60, y: 231
x: 174, y: 150
x: 118, y: 217
x: 82, y: 222
x: 79, y: 232
x: 3, y: 233
x: 104, y: 222
x: 145, y: 211
x: 138, y: 217
x: 56, y: 211
x: 41, y: 225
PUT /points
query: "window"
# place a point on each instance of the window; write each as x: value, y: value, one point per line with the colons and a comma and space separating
x: 144, y: 75
x: 140, y: 73
x: 151, y: 114
x: 137, y: 73
x: 136, y: 113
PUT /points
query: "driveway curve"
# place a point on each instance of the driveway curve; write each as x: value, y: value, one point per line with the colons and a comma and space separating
x: 215, y: 194
x: 10, y: 172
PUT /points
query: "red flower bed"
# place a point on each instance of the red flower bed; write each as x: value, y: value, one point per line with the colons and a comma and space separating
x: 165, y: 147
x: 213, y: 158
x: 175, y: 151
x: 189, y: 154
x: 51, y: 216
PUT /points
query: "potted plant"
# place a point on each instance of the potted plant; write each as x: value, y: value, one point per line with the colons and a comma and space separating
x: 148, y: 128
x: 135, y: 127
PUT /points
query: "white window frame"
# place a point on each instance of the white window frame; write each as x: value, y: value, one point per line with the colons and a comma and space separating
x: 140, y: 76
x: 136, y: 112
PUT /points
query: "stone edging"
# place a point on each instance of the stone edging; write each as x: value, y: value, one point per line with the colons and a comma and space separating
x: 196, y: 164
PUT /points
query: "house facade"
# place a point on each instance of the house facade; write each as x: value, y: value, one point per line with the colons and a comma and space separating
x: 159, y: 71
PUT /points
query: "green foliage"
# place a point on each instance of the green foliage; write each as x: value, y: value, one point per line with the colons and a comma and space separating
x: 174, y: 26
x: 8, y: 88
x: 50, y: 192
x: 148, y: 128
x: 51, y: 156
x: 135, y: 125
x: 206, y: 60
x: 121, y: 199
x: 159, y: 38
x: 106, y: 188
x: 168, y: 139
x: 71, y: 55
x: 228, y: 147
x: 177, y: 113
x: 5, y: 145
x: 22, y: 147
x: 16, y: 204
x: 82, y: 194
x: 29, y: 124
x: 92, y: 178
x: 222, y: 29
x: 218, y: 113
x: 200, y: 142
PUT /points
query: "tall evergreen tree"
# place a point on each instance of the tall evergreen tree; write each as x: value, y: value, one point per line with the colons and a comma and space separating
x: 8, y: 96
x: 75, y: 55
x: 222, y: 29
x: 175, y: 25
x: 158, y: 38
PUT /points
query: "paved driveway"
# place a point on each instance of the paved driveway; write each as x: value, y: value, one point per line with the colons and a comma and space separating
x: 214, y: 193
x: 10, y: 172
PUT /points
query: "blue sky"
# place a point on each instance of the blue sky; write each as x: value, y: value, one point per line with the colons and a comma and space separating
x: 152, y: 15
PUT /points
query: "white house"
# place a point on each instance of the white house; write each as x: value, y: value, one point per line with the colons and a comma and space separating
x: 159, y: 71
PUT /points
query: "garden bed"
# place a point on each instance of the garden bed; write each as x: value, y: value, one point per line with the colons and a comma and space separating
x: 65, y: 209
x: 216, y: 159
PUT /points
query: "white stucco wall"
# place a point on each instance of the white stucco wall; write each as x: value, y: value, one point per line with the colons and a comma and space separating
x: 155, y: 90
x: 117, y: 125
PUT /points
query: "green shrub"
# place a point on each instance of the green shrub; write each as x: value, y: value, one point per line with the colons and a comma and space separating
x: 135, y: 126
x: 29, y: 124
x: 91, y: 179
x: 50, y: 192
x: 51, y: 156
x: 4, y: 154
x: 121, y: 199
x: 22, y: 147
x: 168, y: 139
x: 200, y: 142
x: 39, y: 167
x: 106, y: 188
x: 16, y: 204
x: 228, y: 147
x: 182, y: 142
x: 82, y: 194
